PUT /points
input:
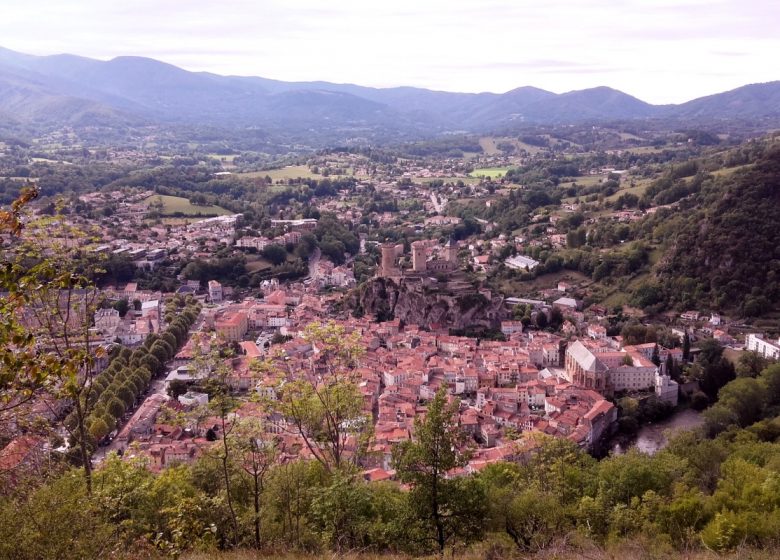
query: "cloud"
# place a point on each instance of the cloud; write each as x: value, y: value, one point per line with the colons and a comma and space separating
x: 657, y: 49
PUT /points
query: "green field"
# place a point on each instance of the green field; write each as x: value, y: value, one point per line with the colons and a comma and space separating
x: 724, y: 171
x: 528, y: 288
x: 489, y: 145
x: 490, y: 172
x: 590, y: 180
x: 638, y: 189
x: 257, y: 265
x: 289, y: 172
x: 173, y: 205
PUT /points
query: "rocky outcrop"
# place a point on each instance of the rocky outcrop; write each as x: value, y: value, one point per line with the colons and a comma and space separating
x: 430, y: 305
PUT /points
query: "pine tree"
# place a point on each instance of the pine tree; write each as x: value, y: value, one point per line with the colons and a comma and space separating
x: 443, y: 508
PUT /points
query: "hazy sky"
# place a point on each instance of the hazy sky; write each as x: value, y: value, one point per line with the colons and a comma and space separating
x: 659, y: 50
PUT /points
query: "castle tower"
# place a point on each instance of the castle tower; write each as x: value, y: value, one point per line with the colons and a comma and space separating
x: 451, y: 251
x: 419, y: 256
x: 388, y: 259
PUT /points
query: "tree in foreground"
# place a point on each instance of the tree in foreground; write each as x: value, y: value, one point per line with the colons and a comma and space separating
x: 257, y: 454
x: 322, y: 402
x: 443, y: 509
x: 23, y: 369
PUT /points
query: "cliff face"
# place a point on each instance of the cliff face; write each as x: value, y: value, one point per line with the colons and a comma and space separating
x: 414, y: 303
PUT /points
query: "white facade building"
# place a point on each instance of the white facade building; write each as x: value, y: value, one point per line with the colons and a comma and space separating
x: 520, y: 262
x: 215, y: 291
x: 768, y: 349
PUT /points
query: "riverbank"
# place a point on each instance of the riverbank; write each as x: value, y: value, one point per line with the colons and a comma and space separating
x: 652, y: 438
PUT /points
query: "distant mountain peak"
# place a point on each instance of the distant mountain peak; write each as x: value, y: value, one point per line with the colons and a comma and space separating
x: 151, y: 90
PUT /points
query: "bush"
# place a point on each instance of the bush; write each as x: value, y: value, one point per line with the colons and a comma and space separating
x: 699, y: 401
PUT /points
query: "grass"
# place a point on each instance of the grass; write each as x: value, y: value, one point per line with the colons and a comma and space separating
x: 490, y: 145
x: 514, y: 287
x: 615, y: 299
x: 732, y: 355
x: 581, y: 181
x: 490, y: 172
x: 638, y: 189
x: 257, y: 265
x: 621, y: 296
x: 289, y: 172
x: 177, y: 205
x: 639, y: 548
x: 729, y: 170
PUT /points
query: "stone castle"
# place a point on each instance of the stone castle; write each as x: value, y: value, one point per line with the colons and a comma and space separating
x: 421, y: 264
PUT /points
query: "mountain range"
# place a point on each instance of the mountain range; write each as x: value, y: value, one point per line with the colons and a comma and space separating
x: 127, y: 91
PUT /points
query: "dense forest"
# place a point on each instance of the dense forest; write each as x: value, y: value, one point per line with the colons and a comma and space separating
x: 726, y: 252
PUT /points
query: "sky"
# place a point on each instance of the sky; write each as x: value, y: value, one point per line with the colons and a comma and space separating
x: 661, y: 51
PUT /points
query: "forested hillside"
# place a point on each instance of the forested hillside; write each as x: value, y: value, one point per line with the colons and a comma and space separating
x: 693, y: 230
x: 726, y: 250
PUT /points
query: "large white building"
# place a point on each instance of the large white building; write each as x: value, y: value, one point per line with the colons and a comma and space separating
x: 258, y: 243
x: 520, y: 262
x: 768, y: 349
x: 600, y: 367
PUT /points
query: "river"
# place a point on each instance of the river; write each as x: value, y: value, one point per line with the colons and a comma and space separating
x: 651, y: 437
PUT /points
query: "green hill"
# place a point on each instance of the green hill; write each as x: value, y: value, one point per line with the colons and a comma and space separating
x: 723, y: 246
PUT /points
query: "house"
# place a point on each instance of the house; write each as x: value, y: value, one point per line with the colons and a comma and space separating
x: 23, y: 455
x: 376, y: 475
x: 508, y: 328
x: 150, y: 308
x: 186, y: 373
x: 667, y: 389
x: 566, y: 304
x: 599, y: 311
x: 107, y: 320
x: 232, y: 326
x: 142, y: 422
x: 597, y: 331
x: 690, y: 316
x: 215, y: 291
x: 600, y: 419
x: 755, y: 342
x: 174, y: 453
x: 481, y: 263
x: 715, y: 320
x: 723, y: 337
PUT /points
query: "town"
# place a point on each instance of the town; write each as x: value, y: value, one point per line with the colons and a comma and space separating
x: 522, y: 380
x: 322, y: 309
